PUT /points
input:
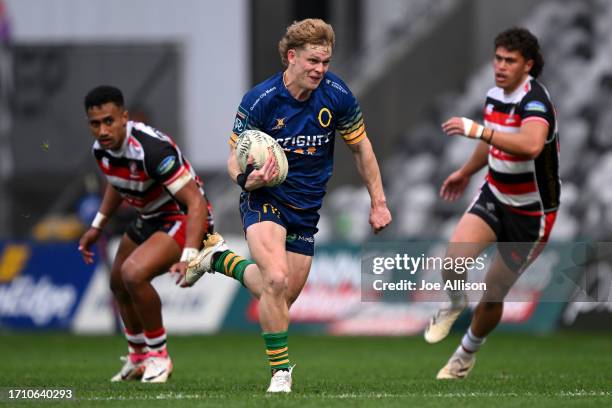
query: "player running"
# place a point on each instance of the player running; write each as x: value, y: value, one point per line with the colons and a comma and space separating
x: 302, y: 108
x: 519, y: 199
x: 146, y: 169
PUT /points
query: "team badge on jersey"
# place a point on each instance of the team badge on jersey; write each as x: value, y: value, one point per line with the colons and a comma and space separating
x: 536, y: 106
x: 280, y: 123
x: 166, y: 165
x: 133, y: 167
x: 105, y: 163
x: 324, y: 117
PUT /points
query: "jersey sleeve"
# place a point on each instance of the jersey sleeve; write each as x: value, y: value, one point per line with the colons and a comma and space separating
x: 164, y: 164
x: 536, y: 106
x: 350, y: 119
x: 246, y: 119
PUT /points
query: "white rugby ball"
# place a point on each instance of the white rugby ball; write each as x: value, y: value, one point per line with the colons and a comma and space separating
x: 259, y: 145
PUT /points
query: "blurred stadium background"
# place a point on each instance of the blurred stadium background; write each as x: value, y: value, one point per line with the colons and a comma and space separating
x: 184, y: 66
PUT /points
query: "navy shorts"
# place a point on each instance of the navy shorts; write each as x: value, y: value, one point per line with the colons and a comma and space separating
x: 521, y: 234
x: 301, y: 225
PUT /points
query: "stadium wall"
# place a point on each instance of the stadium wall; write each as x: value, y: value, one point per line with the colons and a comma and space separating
x: 213, y: 36
x: 48, y: 287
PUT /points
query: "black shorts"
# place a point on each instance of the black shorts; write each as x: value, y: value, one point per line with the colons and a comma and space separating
x: 521, y: 235
x: 174, y: 225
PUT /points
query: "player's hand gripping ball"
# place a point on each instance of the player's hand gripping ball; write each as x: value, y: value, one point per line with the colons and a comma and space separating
x: 259, y: 145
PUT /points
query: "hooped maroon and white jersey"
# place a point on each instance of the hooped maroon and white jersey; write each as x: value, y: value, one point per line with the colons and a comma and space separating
x: 148, y: 171
x: 530, y: 185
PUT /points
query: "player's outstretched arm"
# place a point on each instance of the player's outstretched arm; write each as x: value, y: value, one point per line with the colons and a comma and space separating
x: 110, y: 201
x: 528, y: 142
x: 367, y: 165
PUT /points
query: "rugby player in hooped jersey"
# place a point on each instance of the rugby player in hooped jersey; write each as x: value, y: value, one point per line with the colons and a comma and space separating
x: 302, y: 108
x: 146, y: 169
x: 518, y: 202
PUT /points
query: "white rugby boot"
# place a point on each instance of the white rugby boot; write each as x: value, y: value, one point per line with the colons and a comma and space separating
x: 281, y: 381
x: 130, y: 370
x: 157, y: 369
x: 202, y: 263
x: 441, y: 322
x: 456, y: 368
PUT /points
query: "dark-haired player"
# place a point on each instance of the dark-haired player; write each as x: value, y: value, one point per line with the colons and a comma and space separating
x: 518, y: 201
x: 146, y: 169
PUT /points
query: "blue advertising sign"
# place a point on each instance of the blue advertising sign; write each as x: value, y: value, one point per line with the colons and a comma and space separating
x: 41, y: 284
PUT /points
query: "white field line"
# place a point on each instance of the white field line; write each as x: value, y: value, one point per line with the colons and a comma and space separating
x: 364, y: 395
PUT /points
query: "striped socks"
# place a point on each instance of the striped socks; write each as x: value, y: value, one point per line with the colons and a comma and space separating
x: 156, y: 342
x: 137, y: 347
x: 232, y: 265
x: 277, y: 349
x: 470, y: 344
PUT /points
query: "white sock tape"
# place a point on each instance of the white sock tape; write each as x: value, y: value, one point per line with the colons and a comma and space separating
x: 188, y: 254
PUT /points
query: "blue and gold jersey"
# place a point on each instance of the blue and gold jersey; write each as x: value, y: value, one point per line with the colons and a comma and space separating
x: 306, y: 131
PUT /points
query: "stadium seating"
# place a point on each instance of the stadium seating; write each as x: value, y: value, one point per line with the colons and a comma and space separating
x: 576, y: 38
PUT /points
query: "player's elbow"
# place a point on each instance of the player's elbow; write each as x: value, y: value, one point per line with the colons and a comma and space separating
x: 533, y: 150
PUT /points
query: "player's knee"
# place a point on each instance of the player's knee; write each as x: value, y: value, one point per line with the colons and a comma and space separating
x: 455, y: 269
x: 495, y: 293
x: 132, y: 275
x: 276, y: 283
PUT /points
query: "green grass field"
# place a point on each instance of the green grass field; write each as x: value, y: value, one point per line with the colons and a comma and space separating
x: 568, y: 369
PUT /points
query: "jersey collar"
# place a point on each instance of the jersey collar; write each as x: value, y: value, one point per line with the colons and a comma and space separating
x: 521, y: 89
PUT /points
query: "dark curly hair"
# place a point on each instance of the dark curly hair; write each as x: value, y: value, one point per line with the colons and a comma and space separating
x: 522, y: 40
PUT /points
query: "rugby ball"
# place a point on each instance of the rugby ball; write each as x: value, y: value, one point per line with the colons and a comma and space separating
x: 259, y: 145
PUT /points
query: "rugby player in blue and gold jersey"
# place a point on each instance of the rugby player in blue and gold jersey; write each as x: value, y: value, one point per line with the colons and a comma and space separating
x: 302, y: 108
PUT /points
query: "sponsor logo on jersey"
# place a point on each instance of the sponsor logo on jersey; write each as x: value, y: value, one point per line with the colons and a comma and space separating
x: 263, y: 95
x: 295, y: 237
x: 336, y: 85
x: 536, y: 106
x: 241, y: 120
x: 166, y: 165
x: 280, y: 123
x: 324, y: 117
x: 305, y: 141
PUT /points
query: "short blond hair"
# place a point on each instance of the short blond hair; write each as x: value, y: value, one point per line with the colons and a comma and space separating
x: 309, y: 31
